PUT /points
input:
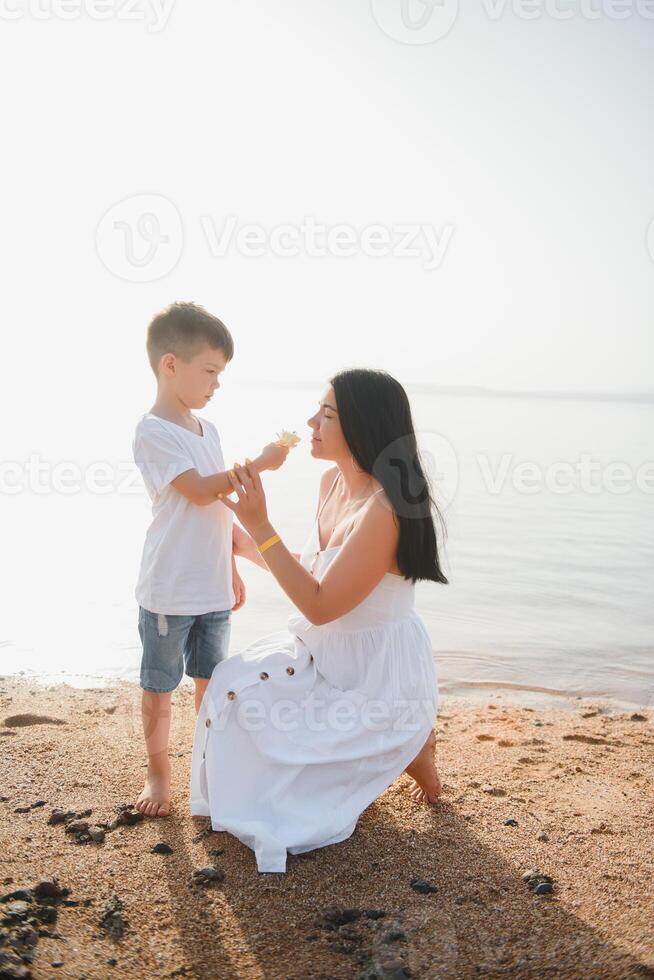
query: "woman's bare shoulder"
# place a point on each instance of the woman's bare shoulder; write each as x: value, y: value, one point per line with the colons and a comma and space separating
x: 327, y: 479
x: 376, y: 518
x: 379, y: 512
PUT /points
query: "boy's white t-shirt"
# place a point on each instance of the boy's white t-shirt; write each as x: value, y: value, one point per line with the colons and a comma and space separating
x: 186, y: 567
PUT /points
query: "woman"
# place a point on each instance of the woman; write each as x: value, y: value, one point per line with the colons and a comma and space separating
x: 300, y: 733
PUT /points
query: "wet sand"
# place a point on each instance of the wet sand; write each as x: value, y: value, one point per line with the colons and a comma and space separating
x: 578, y: 784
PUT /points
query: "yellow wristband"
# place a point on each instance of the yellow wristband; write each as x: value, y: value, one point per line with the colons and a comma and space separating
x: 269, y: 543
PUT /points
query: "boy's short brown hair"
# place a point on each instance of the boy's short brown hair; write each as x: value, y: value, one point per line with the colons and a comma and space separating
x: 183, y: 329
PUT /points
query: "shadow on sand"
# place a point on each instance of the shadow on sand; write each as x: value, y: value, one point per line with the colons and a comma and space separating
x: 481, y: 921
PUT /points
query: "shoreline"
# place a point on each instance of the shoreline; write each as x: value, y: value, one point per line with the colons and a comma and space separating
x: 465, y: 693
x: 574, y: 784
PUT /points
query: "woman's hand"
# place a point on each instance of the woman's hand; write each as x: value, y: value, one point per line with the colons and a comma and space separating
x: 250, y: 508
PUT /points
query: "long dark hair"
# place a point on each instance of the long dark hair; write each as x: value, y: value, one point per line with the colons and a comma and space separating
x: 375, y: 417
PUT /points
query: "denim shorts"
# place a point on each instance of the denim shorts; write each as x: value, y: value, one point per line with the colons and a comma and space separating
x: 172, y: 643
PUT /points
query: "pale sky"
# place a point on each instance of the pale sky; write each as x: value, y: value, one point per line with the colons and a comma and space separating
x: 190, y: 154
x: 526, y: 146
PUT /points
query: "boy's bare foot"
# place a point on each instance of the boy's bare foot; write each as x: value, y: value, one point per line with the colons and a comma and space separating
x: 154, y: 801
x: 426, y: 786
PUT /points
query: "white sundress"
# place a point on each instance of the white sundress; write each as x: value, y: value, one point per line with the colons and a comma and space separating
x: 298, y: 734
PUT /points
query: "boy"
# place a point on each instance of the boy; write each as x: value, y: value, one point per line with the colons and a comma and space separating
x: 188, y: 584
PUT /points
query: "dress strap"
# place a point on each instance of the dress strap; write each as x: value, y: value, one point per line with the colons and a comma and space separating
x: 329, y: 493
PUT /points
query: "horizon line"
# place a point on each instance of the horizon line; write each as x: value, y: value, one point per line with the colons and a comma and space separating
x: 621, y: 395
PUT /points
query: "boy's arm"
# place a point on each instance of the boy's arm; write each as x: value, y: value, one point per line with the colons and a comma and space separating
x: 203, y: 490
x: 245, y: 546
x: 200, y: 490
x: 239, y: 588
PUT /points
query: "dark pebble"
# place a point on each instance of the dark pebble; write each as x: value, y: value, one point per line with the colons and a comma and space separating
x: 162, y: 848
x: 112, y: 962
x: 638, y: 717
x: 217, y: 851
x: 24, y: 942
x: 130, y: 817
x: 394, y: 936
x: 491, y: 790
x: 114, y: 924
x: 22, y: 894
x: 22, y: 809
x: 49, y: 888
x: 61, y: 816
x: 511, y: 823
x: 47, y: 914
x: 535, y: 881
x: 57, y: 963
x: 374, y: 913
x: 340, y: 917
x: 112, y: 919
x: 538, y: 878
x: 423, y: 887
x: 77, y: 827
x: 12, y: 967
x: 16, y: 911
x: 390, y: 970
x: 203, y: 876
x: 37, y: 804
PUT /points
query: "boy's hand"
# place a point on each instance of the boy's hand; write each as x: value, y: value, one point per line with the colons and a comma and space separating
x: 239, y: 588
x: 272, y: 457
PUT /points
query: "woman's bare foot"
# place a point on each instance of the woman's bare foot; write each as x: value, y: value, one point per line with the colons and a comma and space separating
x: 426, y: 786
x: 154, y: 801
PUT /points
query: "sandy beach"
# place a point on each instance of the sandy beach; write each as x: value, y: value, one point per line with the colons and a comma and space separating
x: 417, y: 891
